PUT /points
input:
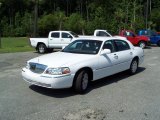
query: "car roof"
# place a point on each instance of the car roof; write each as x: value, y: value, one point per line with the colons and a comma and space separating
x: 101, y: 38
x: 60, y: 31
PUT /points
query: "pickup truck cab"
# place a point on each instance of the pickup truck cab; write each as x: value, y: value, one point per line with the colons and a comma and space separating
x: 102, y: 33
x: 154, y: 37
x: 59, y: 39
x: 56, y: 39
x: 141, y: 41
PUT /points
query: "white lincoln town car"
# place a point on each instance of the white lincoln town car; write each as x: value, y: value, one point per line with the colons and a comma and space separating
x: 82, y: 61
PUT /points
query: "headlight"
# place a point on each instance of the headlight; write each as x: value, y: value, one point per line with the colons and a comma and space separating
x: 58, y: 71
x: 27, y: 65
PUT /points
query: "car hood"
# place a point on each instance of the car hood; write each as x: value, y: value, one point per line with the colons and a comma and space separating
x: 142, y: 37
x: 61, y: 59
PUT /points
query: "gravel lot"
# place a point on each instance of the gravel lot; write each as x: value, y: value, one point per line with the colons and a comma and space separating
x: 118, y: 97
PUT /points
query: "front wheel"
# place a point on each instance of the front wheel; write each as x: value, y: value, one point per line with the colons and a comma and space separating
x: 41, y: 48
x: 142, y: 44
x: 81, y: 82
x: 158, y: 43
x: 133, y: 67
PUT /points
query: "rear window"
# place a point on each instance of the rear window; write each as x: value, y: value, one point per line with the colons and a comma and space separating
x: 121, y: 45
x: 101, y: 33
x: 144, y: 32
x: 55, y: 35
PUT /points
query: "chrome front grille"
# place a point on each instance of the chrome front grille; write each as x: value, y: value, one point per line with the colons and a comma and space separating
x: 37, y: 68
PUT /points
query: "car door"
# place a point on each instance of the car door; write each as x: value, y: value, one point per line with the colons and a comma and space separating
x: 153, y: 37
x: 124, y: 55
x: 66, y: 38
x: 106, y: 61
x: 54, y: 40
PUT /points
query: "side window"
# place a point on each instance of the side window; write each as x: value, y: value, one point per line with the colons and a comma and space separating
x: 66, y: 35
x: 122, y: 45
x: 129, y: 34
x: 55, y: 35
x: 145, y: 32
x: 109, y: 45
x: 126, y: 33
x: 101, y: 33
x: 97, y: 34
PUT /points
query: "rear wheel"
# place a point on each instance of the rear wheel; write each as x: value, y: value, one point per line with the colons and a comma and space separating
x: 41, y: 48
x: 158, y: 43
x: 81, y: 82
x: 133, y: 66
x: 142, y: 44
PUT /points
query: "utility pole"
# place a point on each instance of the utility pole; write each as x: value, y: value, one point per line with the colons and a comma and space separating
x: 87, y: 11
x: 67, y: 8
x: 0, y: 31
x: 35, y: 17
x: 147, y: 14
x: 150, y: 5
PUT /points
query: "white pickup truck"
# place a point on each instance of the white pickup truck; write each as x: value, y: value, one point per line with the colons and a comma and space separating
x: 59, y: 39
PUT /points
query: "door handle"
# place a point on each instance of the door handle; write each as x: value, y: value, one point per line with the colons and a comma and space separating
x: 51, y: 39
x: 62, y: 40
x: 131, y: 53
x: 115, y: 56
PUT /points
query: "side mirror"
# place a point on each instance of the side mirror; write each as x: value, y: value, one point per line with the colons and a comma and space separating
x: 105, y: 51
x: 63, y: 47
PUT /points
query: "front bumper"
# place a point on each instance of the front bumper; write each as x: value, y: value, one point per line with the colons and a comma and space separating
x: 48, y: 81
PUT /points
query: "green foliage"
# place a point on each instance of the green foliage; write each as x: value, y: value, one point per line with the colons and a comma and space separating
x: 155, y: 19
x: 21, y: 28
x: 74, y: 23
x: 51, y: 22
x: 80, y: 16
x: 47, y: 23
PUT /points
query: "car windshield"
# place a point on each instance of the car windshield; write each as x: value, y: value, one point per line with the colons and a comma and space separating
x: 83, y: 47
x: 74, y: 34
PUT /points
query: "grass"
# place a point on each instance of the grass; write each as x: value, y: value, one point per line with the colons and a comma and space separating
x: 15, y: 44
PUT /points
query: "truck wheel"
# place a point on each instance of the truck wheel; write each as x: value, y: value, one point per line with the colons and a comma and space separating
x: 158, y: 43
x: 142, y: 44
x: 81, y: 82
x: 41, y: 48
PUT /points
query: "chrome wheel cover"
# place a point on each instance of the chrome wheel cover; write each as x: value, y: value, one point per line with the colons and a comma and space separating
x: 142, y: 45
x: 85, y: 81
x: 134, y: 66
x: 41, y: 48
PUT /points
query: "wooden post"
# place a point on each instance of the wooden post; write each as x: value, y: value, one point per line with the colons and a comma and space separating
x: 0, y: 31
x: 35, y: 18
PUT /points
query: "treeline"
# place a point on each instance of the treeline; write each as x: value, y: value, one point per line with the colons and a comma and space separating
x: 38, y: 17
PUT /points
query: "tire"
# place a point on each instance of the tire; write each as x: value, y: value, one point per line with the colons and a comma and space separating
x: 41, y: 48
x: 142, y: 44
x: 158, y: 43
x: 81, y: 82
x: 133, y: 67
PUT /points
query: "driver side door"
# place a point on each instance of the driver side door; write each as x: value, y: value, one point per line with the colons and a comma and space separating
x: 107, y: 61
x: 66, y: 38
